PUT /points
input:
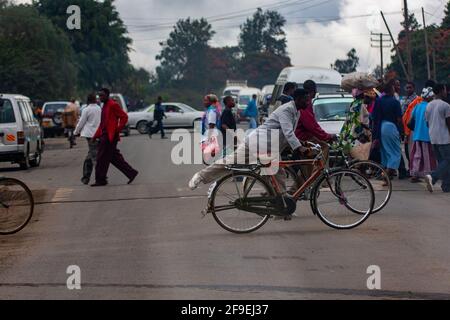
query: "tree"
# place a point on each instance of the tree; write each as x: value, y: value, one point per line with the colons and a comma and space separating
x: 183, y: 56
x: 348, y: 65
x: 446, y: 21
x: 101, y: 46
x: 36, y: 58
x: 263, y: 33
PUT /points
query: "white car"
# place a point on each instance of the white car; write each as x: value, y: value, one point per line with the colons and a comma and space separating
x: 20, y: 133
x: 331, y: 111
x: 178, y: 115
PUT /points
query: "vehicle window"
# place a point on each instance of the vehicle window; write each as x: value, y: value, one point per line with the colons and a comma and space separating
x: 7, y: 112
x: 172, y: 109
x: 24, y: 112
x: 244, y: 100
x: 332, y: 109
x: 30, y: 111
x: 51, y: 109
x: 328, y: 88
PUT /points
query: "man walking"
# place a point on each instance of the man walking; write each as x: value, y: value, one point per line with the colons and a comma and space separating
x: 158, y: 116
x: 438, y: 118
x: 87, y: 127
x: 252, y: 113
x: 70, y: 119
x: 228, y: 122
x: 113, y: 120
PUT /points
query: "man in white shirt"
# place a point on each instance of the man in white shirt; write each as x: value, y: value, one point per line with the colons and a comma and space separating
x: 87, y: 127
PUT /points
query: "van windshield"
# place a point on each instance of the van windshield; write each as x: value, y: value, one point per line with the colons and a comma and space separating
x: 244, y: 100
x: 7, y: 112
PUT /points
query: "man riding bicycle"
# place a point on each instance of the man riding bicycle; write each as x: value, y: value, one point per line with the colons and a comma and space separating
x: 284, y: 120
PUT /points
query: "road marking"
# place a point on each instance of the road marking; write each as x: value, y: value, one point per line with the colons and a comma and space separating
x: 62, y: 194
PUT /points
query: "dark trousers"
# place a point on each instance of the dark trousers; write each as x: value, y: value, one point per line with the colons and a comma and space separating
x: 90, y: 160
x: 107, y: 154
x: 442, y: 154
x: 159, y: 127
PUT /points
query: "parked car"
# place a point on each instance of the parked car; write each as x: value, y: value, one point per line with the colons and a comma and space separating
x: 331, y: 111
x: 52, y: 118
x: 20, y: 132
x: 178, y: 115
x: 121, y: 101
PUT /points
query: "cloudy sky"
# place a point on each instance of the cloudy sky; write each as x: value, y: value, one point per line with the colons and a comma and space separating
x: 318, y: 31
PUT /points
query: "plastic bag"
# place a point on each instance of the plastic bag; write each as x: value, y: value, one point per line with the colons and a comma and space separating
x: 210, y: 149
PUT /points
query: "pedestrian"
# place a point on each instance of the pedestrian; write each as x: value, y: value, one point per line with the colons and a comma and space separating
x: 422, y: 161
x: 211, y: 117
x: 438, y: 117
x: 86, y: 128
x: 158, y: 116
x: 251, y: 112
x: 387, y: 129
x: 288, y: 91
x: 411, y: 95
x: 228, y: 123
x: 70, y: 119
x: 113, y: 121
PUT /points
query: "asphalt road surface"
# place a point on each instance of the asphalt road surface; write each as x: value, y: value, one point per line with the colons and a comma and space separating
x: 148, y: 240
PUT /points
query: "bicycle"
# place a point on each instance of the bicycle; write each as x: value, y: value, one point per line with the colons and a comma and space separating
x: 16, y: 206
x: 373, y: 171
x: 259, y: 198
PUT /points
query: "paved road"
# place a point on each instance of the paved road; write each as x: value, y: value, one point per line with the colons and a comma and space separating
x: 148, y: 241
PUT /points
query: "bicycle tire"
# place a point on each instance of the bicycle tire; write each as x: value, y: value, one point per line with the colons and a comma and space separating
x: 387, y: 198
x: 5, y: 212
x: 316, y: 192
x: 246, y: 176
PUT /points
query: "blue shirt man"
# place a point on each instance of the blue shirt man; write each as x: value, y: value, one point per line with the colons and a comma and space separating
x: 252, y: 113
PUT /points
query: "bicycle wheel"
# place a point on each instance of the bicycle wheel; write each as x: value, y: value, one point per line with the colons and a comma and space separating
x: 16, y: 206
x: 379, y: 179
x: 347, y: 201
x: 240, y: 202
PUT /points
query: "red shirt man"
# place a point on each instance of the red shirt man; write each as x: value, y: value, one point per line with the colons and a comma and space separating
x: 114, y: 119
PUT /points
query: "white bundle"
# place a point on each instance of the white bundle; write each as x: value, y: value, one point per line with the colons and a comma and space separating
x: 358, y: 80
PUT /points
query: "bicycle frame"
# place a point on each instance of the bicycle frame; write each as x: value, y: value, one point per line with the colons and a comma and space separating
x: 319, y: 167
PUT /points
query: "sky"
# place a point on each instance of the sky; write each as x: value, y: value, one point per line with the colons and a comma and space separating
x: 318, y: 31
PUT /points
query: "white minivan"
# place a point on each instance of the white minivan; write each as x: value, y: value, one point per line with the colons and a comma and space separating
x: 20, y: 133
x: 328, y: 81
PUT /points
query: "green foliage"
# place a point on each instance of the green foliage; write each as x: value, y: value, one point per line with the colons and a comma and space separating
x: 101, y: 46
x: 446, y: 21
x: 36, y: 58
x: 263, y: 33
x: 348, y: 65
x: 183, y: 56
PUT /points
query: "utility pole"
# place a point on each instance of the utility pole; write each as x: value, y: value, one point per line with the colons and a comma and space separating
x: 408, y: 77
x: 427, y: 52
x: 408, y: 40
x: 381, y: 44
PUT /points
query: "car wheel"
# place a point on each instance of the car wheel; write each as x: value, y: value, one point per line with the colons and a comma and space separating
x: 141, y: 127
x: 36, y: 162
x: 25, y: 163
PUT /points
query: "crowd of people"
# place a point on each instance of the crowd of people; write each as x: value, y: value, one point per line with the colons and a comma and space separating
x: 378, y: 118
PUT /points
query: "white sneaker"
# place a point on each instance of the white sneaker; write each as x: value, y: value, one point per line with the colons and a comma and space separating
x: 195, y: 181
x: 429, y: 182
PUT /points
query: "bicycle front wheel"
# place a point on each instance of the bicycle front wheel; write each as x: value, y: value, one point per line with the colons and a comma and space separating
x: 379, y: 178
x: 346, y: 202
x: 16, y: 206
x: 240, y: 202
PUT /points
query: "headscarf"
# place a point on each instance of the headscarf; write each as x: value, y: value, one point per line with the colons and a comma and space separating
x: 427, y: 93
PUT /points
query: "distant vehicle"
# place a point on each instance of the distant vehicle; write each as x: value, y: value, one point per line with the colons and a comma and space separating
x: 245, y: 96
x: 234, y: 87
x: 331, y: 111
x: 179, y: 115
x: 121, y: 101
x: 20, y: 132
x: 328, y: 80
x: 52, y: 118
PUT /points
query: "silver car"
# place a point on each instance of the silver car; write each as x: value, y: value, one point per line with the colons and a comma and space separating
x: 178, y: 115
x: 331, y: 111
x: 20, y: 133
